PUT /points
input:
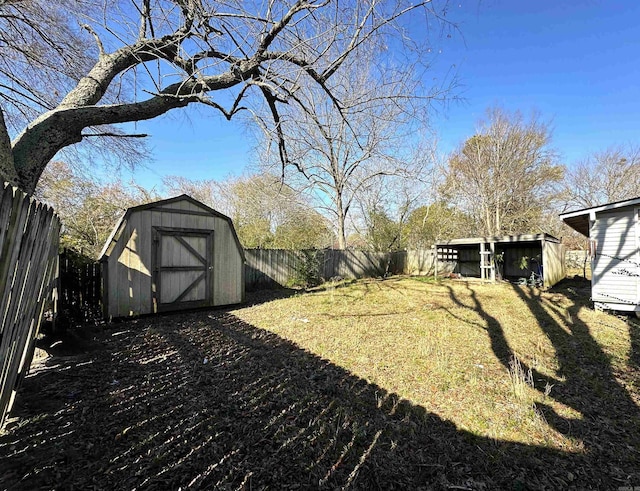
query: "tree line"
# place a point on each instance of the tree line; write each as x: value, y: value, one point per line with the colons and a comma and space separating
x: 338, y: 96
x: 505, y: 179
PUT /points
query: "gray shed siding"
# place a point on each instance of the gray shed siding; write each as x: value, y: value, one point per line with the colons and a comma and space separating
x: 129, y: 287
x: 615, y: 270
x: 554, y: 261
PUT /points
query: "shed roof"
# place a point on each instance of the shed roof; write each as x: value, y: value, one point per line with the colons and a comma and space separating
x: 579, y: 219
x: 500, y: 239
x: 117, y: 230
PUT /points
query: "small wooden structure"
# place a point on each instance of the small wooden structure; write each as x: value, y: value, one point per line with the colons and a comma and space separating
x: 170, y: 255
x: 614, y: 233
x: 508, y: 257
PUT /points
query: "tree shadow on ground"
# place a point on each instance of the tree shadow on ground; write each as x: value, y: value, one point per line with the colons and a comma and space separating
x: 204, y: 400
x: 589, y: 383
x: 609, y: 424
x: 499, y: 343
x: 634, y: 334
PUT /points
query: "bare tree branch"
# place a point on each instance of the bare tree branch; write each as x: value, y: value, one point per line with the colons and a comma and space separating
x: 115, y: 135
x: 58, y: 79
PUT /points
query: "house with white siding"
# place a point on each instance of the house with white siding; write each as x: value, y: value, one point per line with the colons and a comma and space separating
x: 614, y: 236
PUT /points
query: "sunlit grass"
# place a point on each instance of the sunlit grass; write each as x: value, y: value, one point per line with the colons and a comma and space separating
x: 442, y: 345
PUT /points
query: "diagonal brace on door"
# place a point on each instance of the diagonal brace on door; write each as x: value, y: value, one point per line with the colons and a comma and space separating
x: 190, y: 248
x: 189, y: 288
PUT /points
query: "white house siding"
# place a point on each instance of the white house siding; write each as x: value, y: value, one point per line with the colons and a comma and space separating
x: 616, y: 273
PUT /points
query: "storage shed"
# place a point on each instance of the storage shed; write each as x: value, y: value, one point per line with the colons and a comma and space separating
x: 170, y: 255
x: 508, y: 257
x: 614, y: 233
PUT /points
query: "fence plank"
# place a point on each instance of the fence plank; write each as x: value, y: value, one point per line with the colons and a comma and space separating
x: 268, y: 267
x: 11, y: 248
x: 6, y: 206
x: 29, y: 248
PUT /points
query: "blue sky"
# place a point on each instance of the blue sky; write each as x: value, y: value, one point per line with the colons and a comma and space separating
x: 576, y: 62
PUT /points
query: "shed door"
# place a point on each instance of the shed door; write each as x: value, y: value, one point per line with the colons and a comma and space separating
x: 183, y: 269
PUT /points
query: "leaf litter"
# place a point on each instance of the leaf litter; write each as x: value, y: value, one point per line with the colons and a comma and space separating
x: 141, y: 409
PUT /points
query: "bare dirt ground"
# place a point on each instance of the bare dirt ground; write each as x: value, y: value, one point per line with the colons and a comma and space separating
x: 204, y: 400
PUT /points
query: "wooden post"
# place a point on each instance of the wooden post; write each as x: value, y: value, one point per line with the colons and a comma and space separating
x: 483, y: 275
x: 492, y: 262
x: 435, y: 262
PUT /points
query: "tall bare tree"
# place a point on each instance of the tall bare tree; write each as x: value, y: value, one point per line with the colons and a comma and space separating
x: 505, y: 175
x: 88, y: 208
x: 70, y: 69
x: 604, y: 177
x: 386, y: 203
x: 341, y: 152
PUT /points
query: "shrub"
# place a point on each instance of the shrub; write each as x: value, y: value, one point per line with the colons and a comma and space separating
x: 307, y: 269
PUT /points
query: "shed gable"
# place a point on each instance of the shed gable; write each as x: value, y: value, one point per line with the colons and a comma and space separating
x: 138, y: 274
x: 184, y: 204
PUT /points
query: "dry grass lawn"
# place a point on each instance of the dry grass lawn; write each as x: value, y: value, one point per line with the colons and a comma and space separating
x: 403, y: 383
x: 501, y: 361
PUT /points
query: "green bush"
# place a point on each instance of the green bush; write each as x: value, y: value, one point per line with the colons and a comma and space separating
x: 307, y: 269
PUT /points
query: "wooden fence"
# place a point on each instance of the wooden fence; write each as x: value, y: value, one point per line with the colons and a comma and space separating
x: 271, y: 267
x: 29, y: 239
x: 421, y: 262
x: 80, y: 290
x: 267, y: 267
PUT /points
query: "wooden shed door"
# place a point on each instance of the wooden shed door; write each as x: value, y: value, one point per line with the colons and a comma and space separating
x: 183, y: 268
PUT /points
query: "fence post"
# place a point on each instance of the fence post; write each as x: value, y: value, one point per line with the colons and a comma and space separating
x: 435, y: 262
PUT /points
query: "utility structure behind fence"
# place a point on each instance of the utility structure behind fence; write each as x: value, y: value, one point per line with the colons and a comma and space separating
x: 29, y: 240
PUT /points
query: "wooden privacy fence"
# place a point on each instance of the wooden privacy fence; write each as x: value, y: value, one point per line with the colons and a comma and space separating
x: 267, y: 267
x: 29, y: 239
x: 80, y: 289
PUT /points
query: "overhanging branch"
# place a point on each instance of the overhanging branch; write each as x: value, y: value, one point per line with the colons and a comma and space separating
x: 117, y: 135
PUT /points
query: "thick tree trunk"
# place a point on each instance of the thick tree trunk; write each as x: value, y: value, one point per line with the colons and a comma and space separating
x: 34, y: 148
x: 342, y: 219
x: 342, y: 235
